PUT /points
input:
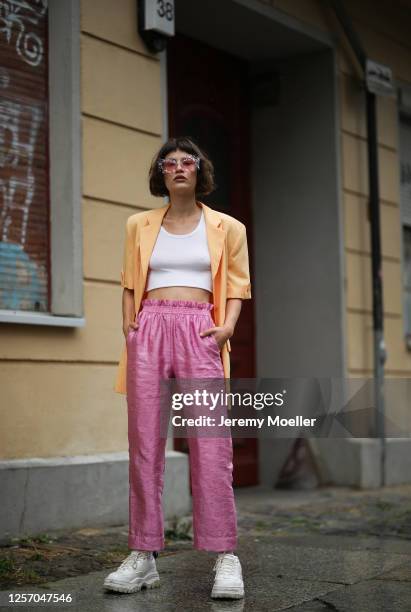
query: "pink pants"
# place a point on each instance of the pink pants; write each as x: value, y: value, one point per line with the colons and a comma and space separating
x: 168, y: 344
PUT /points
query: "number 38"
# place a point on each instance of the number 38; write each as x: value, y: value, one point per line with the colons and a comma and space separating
x: 165, y: 9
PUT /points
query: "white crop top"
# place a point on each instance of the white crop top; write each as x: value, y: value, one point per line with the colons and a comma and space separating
x: 181, y: 260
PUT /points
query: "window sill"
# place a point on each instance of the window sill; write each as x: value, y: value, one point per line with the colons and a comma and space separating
x: 40, y: 318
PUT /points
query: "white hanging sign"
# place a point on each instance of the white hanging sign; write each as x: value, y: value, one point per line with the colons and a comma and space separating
x: 379, y: 79
x: 159, y: 16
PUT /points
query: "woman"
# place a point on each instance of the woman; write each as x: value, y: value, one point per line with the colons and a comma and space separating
x: 187, y: 266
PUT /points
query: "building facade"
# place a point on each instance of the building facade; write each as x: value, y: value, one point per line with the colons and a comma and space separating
x: 272, y: 90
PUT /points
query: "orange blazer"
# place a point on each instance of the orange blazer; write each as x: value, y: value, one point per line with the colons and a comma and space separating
x: 227, y: 243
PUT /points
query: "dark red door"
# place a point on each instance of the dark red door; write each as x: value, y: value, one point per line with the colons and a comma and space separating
x: 209, y: 101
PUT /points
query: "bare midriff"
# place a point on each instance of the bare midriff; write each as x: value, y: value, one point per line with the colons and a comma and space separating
x: 193, y: 294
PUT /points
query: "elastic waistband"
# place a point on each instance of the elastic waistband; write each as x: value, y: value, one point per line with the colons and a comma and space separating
x: 177, y: 306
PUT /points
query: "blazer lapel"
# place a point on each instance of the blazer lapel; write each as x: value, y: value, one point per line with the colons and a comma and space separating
x: 150, y: 231
x: 215, y: 236
x: 148, y: 237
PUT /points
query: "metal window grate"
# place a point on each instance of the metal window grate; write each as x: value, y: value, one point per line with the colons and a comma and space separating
x: 24, y: 175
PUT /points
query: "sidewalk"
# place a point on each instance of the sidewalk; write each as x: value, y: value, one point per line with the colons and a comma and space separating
x: 324, y: 549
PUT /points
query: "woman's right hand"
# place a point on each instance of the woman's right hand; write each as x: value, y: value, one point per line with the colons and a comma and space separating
x: 128, y: 327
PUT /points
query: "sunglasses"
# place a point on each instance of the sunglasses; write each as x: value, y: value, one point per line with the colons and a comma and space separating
x: 169, y: 165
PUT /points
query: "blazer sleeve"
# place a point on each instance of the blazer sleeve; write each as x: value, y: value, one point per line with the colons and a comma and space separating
x: 238, y: 274
x: 129, y: 254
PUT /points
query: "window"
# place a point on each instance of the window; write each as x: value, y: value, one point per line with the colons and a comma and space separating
x: 41, y: 246
x: 24, y: 179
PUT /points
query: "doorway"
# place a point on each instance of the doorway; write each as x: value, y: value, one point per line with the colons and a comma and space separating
x: 208, y: 101
x: 276, y: 79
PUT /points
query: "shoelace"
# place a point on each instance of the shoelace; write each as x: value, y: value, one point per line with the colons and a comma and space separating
x: 132, y: 559
x: 226, y: 564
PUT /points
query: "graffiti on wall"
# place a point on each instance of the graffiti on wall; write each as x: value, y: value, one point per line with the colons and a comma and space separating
x: 25, y: 277
x: 23, y: 166
x: 20, y: 17
x: 18, y: 189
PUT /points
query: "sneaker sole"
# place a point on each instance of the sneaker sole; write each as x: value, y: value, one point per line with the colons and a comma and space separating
x: 149, y: 583
x: 235, y: 593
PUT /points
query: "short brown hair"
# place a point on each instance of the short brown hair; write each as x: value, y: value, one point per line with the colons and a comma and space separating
x: 205, y: 176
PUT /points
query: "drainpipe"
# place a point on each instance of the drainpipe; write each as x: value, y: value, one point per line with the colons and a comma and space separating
x: 374, y: 214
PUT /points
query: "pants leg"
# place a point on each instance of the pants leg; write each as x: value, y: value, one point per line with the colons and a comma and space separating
x: 211, y: 459
x: 148, y: 360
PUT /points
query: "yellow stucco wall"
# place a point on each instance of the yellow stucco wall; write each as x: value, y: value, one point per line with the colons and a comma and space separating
x: 57, y: 384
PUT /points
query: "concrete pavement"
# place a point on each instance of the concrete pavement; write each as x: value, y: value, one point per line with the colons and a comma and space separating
x: 323, y: 549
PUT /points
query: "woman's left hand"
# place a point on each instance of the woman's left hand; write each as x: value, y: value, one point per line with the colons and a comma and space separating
x: 221, y: 334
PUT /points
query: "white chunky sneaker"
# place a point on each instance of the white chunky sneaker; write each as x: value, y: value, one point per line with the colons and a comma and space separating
x: 137, y: 570
x: 228, y: 580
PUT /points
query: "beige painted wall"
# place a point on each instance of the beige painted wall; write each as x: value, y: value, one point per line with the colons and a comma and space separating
x: 57, y: 384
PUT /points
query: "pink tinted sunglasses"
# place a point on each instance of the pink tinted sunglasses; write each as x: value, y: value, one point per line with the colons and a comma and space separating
x: 170, y: 164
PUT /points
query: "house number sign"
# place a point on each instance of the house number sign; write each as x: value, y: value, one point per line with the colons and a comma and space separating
x: 159, y: 16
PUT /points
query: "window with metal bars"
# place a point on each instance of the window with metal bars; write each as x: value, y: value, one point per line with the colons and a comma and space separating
x: 24, y: 163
